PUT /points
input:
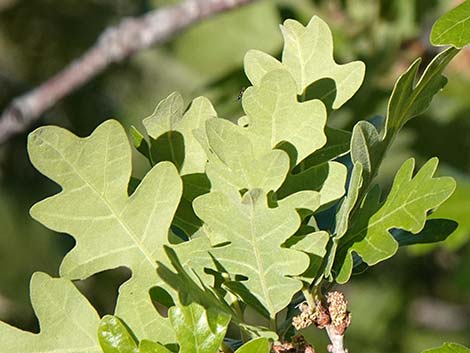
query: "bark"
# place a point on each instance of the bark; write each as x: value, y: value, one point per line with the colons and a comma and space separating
x: 115, y: 44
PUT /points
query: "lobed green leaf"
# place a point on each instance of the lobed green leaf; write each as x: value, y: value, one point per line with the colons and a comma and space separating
x: 67, y: 321
x: 255, y: 233
x: 308, y: 56
x: 405, y: 208
x: 111, y: 229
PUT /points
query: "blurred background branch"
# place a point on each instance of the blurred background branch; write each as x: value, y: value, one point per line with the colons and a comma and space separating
x: 115, y: 44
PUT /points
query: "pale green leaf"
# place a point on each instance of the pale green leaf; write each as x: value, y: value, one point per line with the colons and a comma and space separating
x: 255, y: 233
x: 258, y: 345
x: 172, y: 132
x: 173, y: 139
x: 328, y: 179
x: 453, y: 28
x: 405, y: 208
x: 257, y: 64
x: 198, y: 330
x: 111, y: 229
x: 275, y: 116
x: 68, y: 323
x: 189, y: 279
x: 306, y: 199
x: 337, y: 144
x: 314, y: 245
x: 449, y: 348
x: 308, y: 55
x: 114, y: 337
x: 234, y: 163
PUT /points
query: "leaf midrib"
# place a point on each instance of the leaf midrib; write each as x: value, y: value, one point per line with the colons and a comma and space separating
x: 259, y: 262
x: 385, y: 217
x: 128, y: 231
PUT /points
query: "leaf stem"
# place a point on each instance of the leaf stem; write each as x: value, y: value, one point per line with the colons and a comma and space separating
x: 309, y: 297
x: 337, y: 341
x: 239, y: 311
x: 273, y: 323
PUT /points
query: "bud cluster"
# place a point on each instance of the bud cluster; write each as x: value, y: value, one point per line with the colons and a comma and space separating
x: 334, y: 314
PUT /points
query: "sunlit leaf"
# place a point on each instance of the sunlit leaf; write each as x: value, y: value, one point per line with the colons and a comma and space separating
x: 114, y: 337
x: 198, y: 330
x: 327, y: 178
x: 258, y: 345
x: 275, y: 116
x: 235, y: 164
x: 111, y: 229
x: 405, y: 207
x: 171, y: 130
x: 255, y: 234
x: 68, y: 323
x: 308, y: 55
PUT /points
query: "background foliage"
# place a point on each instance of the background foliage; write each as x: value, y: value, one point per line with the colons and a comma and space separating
x: 417, y: 300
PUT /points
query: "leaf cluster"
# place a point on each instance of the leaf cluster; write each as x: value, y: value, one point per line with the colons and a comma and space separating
x: 256, y: 215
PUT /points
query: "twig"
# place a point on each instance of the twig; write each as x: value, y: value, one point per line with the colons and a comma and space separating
x: 337, y: 340
x: 113, y: 45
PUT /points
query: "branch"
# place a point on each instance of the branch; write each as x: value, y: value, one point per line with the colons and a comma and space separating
x: 113, y: 45
x: 337, y: 340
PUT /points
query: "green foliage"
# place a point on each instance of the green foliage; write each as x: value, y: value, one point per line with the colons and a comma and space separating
x: 94, y: 207
x: 68, y: 322
x: 406, y: 208
x: 453, y: 28
x: 256, y: 233
x: 449, y: 348
x: 114, y: 337
x: 196, y: 330
x: 231, y: 217
x: 308, y: 56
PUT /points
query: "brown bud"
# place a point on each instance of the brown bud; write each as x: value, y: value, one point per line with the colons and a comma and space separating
x: 322, y: 316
